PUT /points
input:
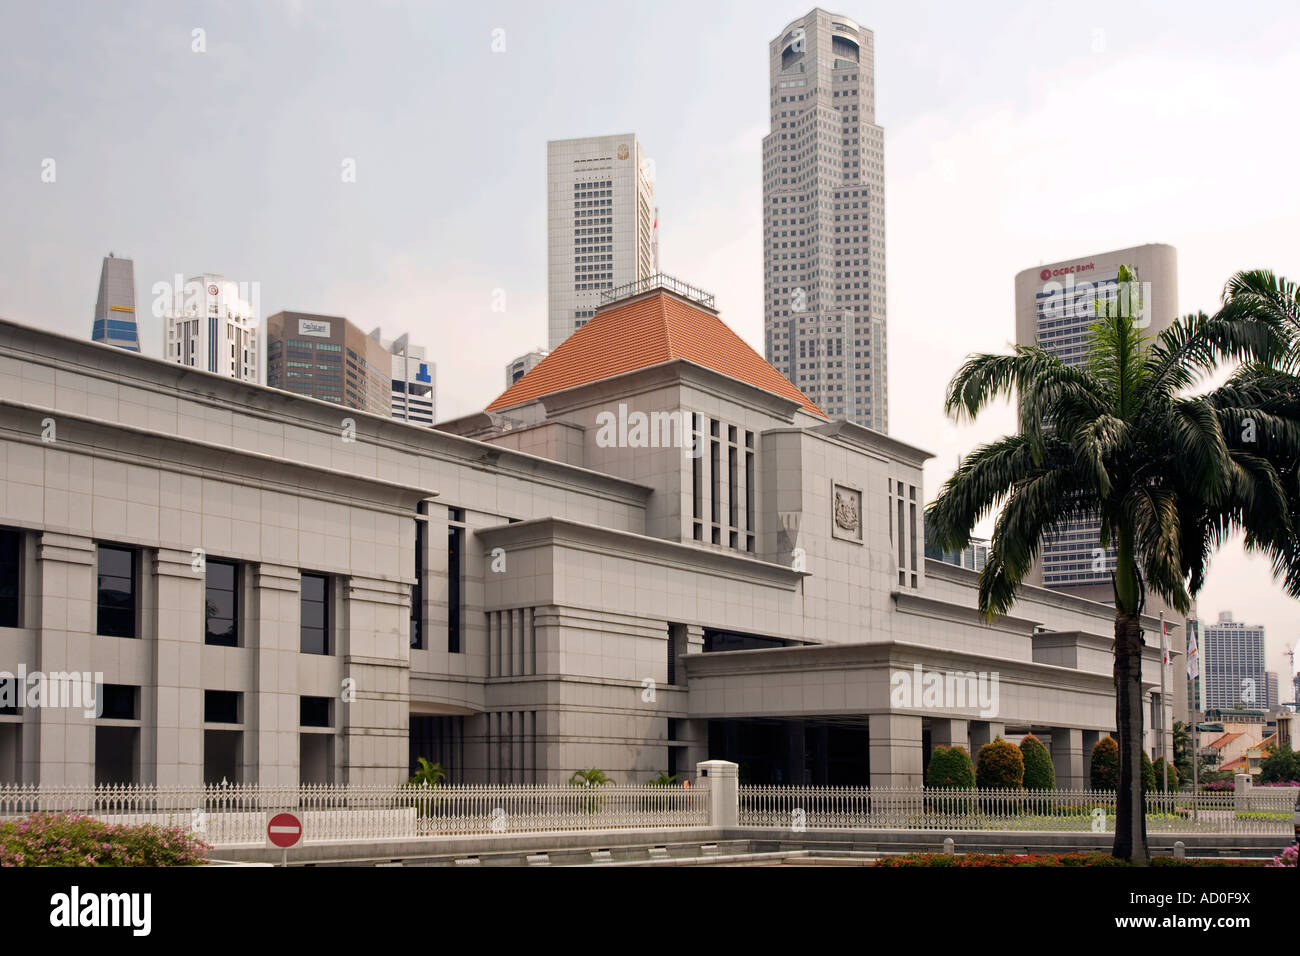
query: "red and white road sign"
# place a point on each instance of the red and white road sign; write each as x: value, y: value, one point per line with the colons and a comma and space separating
x: 284, y: 830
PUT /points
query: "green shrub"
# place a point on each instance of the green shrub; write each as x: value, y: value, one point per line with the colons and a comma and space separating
x: 1149, y: 784
x: 1000, y: 767
x: 56, y: 839
x: 1044, y: 859
x: 1158, y: 768
x: 1282, y: 765
x: 1039, y: 772
x: 1104, y: 768
x: 950, y: 767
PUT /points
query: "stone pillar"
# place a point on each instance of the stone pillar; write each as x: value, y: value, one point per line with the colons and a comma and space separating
x: 1067, y: 758
x: 176, y: 697
x: 375, y: 653
x: 983, y: 732
x: 722, y: 779
x: 895, y: 750
x: 271, y: 716
x: 950, y: 732
x: 65, y: 642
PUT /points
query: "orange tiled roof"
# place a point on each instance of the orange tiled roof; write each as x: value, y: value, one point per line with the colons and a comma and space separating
x: 1224, y: 740
x: 644, y: 333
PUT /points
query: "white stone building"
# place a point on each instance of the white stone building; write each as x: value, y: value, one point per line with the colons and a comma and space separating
x: 212, y: 324
x: 650, y: 551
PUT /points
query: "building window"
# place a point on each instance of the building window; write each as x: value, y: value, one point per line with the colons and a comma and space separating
x: 315, y: 614
x: 417, y: 592
x: 314, y: 712
x: 455, y: 548
x: 10, y: 576
x: 221, y: 604
x: 116, y: 595
x: 222, y: 707
x: 697, y: 475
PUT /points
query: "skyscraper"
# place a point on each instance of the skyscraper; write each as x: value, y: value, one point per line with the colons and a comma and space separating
x: 600, y: 225
x: 1233, y: 662
x: 1054, y: 310
x: 523, y: 365
x: 115, y: 322
x: 414, y: 379
x: 213, y: 325
x: 328, y: 358
x: 824, y: 218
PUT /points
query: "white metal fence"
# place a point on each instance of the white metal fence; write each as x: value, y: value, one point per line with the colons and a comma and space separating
x: 1263, y: 810
x: 233, y: 815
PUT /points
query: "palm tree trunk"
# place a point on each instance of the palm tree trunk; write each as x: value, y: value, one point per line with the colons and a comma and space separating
x: 1130, y: 809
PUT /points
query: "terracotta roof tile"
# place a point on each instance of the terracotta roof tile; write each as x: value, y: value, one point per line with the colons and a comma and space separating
x: 647, y: 332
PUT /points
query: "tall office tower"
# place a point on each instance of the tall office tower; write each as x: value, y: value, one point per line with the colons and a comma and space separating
x: 1270, y: 678
x: 1054, y: 310
x: 523, y: 365
x: 824, y: 219
x: 1233, y: 665
x: 414, y: 379
x: 115, y: 322
x: 600, y: 201
x: 329, y: 358
x: 213, y: 326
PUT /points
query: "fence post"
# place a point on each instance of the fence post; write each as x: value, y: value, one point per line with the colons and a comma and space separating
x: 722, y: 778
x: 1241, y: 790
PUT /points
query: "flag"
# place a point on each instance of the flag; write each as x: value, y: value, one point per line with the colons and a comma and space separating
x: 1164, y: 642
x: 654, y: 239
x: 1193, y: 656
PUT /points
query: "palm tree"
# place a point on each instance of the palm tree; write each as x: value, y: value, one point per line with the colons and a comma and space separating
x: 589, y: 778
x: 1169, y: 474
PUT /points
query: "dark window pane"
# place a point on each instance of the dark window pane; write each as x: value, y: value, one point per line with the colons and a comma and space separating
x: 116, y: 592
x: 314, y: 711
x: 315, y: 614
x: 221, y: 706
x: 120, y: 701
x: 222, y: 604
x: 10, y: 565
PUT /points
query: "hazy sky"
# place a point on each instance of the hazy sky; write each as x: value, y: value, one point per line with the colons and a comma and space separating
x: 1015, y: 133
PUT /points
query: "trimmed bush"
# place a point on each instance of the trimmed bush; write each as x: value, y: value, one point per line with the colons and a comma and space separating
x: 1039, y: 772
x: 950, y: 767
x: 1149, y: 783
x: 57, y: 839
x: 1000, y: 767
x: 1103, y: 771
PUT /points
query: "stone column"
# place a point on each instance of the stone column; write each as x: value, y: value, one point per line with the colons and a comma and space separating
x: 1068, y: 758
x: 983, y: 732
x: 950, y: 732
x: 65, y: 642
x: 895, y: 749
x: 176, y: 699
x: 375, y: 653
x: 271, y: 716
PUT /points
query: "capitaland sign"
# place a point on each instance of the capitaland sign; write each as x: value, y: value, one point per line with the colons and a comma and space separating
x: 314, y: 327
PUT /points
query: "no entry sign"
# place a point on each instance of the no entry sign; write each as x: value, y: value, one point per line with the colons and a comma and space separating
x: 283, y: 830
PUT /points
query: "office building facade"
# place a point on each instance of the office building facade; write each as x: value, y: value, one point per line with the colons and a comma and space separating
x: 212, y: 325
x: 415, y: 380
x: 1233, y: 665
x: 115, y: 321
x: 329, y: 358
x: 824, y: 219
x: 1054, y: 310
x: 599, y: 225
x: 521, y: 366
